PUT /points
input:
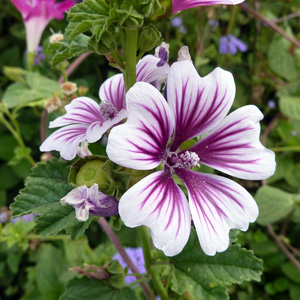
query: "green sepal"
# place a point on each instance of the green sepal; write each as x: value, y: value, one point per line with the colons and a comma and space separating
x: 149, y: 38
x: 128, y: 16
x: 117, y: 273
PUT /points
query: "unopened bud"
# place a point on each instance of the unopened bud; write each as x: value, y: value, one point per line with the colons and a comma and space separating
x: 69, y: 88
x: 149, y: 38
x: 53, y: 104
x: 56, y: 37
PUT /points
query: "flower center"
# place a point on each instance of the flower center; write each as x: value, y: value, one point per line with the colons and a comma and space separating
x: 187, y: 160
x: 107, y: 110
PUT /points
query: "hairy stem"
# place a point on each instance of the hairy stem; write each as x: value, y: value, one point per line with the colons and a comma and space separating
x: 130, y: 52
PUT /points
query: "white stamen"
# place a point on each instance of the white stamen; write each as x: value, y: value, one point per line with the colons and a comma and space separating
x: 190, y: 159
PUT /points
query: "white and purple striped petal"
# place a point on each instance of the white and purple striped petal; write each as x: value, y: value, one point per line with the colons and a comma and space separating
x: 217, y: 205
x: 234, y: 147
x: 81, y: 110
x: 66, y: 140
x: 157, y: 202
x: 113, y: 90
x: 151, y: 68
x: 96, y: 130
x: 198, y: 104
x: 141, y: 142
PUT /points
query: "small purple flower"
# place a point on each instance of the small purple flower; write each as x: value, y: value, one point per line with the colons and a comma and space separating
x: 176, y: 22
x: 137, y: 257
x: 153, y: 135
x: 90, y: 200
x: 294, y: 133
x: 26, y: 218
x: 213, y: 24
x: 86, y: 120
x: 39, y: 55
x: 230, y: 45
x: 271, y: 104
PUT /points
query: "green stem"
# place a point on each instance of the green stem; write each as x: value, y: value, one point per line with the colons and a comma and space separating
x: 156, y: 280
x: 118, y: 59
x: 130, y: 52
x: 235, y: 10
x: 137, y: 282
x: 288, y: 148
x: 30, y: 60
x: 16, y: 132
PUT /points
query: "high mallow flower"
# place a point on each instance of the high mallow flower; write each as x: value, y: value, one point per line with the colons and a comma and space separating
x: 86, y: 120
x: 37, y: 14
x: 154, y: 133
x: 179, y: 5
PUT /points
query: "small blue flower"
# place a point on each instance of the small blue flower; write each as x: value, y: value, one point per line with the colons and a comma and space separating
x: 176, y: 22
x: 271, y: 104
x: 229, y: 44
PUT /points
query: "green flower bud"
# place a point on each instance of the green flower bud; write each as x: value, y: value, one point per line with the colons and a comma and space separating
x: 149, y: 38
x: 90, y: 173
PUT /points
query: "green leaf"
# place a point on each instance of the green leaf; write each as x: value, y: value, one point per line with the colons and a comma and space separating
x: 91, y: 15
x: 281, y: 61
x: 290, y: 107
x: 63, y: 50
x: 92, y: 289
x: 48, y: 275
x: 207, y: 277
x: 45, y: 186
x: 37, y: 88
x: 293, y: 176
x: 291, y: 272
x: 274, y: 204
x: 6, y: 151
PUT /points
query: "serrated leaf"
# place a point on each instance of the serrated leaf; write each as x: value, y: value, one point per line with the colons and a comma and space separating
x: 91, y: 15
x: 86, y: 288
x: 273, y: 203
x: 207, y: 277
x: 63, y: 50
x: 38, y: 88
x: 44, y: 188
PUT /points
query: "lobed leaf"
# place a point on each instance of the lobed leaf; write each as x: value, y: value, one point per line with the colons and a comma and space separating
x: 207, y: 277
x: 44, y: 188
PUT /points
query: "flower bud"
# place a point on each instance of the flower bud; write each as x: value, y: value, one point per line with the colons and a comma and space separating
x: 149, y: 38
x: 56, y: 37
x: 53, y: 104
x: 106, y: 45
x: 184, y: 54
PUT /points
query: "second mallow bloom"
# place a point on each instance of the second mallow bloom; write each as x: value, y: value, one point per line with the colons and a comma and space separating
x: 86, y: 120
x: 154, y: 135
x: 90, y: 201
